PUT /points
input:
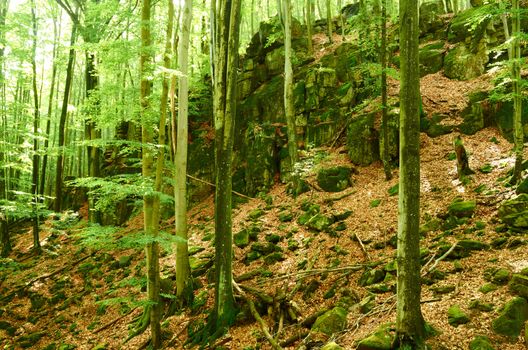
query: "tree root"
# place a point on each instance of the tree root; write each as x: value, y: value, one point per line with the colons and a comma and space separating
x: 141, y: 323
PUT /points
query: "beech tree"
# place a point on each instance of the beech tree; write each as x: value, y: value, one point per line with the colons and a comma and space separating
x: 410, y: 326
x: 225, y: 42
x: 516, y: 89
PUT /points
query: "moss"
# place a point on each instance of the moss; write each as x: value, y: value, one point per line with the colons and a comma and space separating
x: 519, y: 285
x: 456, y: 317
x: 332, y: 321
x: 461, y: 64
x: 431, y: 58
x: 481, y: 342
x: 362, y: 140
x: 512, y: 317
x: 381, y: 339
x: 241, y: 238
x: 471, y: 23
x: 462, y: 209
x: 481, y: 306
x: 488, y: 287
x: 334, y: 179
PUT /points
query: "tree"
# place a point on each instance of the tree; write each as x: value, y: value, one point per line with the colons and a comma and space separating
x: 151, y: 197
x: 289, y: 107
x: 385, y: 157
x: 36, y: 122
x: 225, y: 41
x: 329, y: 21
x: 183, y: 277
x: 516, y: 89
x: 409, y: 320
x: 309, y: 28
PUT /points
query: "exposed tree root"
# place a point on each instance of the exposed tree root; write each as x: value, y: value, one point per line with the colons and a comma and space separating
x: 141, y: 323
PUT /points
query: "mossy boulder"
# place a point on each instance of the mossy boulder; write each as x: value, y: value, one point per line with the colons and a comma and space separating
x: 29, y: 340
x: 501, y: 113
x: 462, y: 64
x: 334, y: 179
x: 285, y: 216
x: 332, y: 346
x: 261, y: 164
x: 456, y: 317
x: 381, y: 339
x: 512, y: 318
x: 470, y: 244
x: 431, y: 58
x: 480, y: 17
x: 430, y: 20
x: 273, y: 258
x: 514, y: 212
x: 363, y: 140
x: 481, y: 306
x: 481, y: 342
x: 519, y: 285
x: 241, y: 238
x: 433, y: 126
x: 332, y: 321
x: 370, y: 277
x: 462, y: 209
x: 319, y: 222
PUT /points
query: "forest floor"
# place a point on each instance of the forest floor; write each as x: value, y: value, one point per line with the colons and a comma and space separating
x: 82, y: 292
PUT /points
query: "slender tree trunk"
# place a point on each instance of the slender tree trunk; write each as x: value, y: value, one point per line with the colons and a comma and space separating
x: 517, y: 97
x: 385, y: 156
x: 4, y: 236
x: 62, y: 123
x: 35, y: 172
x: 309, y: 28
x: 226, y: 24
x: 150, y: 199
x: 288, y: 96
x: 409, y: 320
x: 56, y: 35
x: 329, y: 21
x: 183, y: 274
x: 3, y: 101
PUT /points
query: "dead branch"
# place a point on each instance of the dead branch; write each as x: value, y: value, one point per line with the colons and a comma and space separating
x: 213, y: 185
x: 446, y: 254
x: 339, y: 197
x: 362, y: 246
x: 115, y: 320
x: 307, y: 273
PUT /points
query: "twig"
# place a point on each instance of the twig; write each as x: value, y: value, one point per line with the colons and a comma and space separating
x: 115, y: 320
x: 294, y: 338
x: 339, y: 197
x: 298, y: 285
x: 362, y: 246
x: 256, y: 315
x: 213, y: 185
x: 315, y: 272
x: 446, y: 254
x: 51, y: 274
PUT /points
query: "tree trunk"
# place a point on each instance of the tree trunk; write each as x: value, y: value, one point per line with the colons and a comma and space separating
x: 309, y: 28
x: 226, y: 23
x: 183, y: 275
x: 288, y: 96
x: 62, y: 123
x: 150, y: 199
x: 4, y: 236
x: 385, y: 156
x: 36, y: 122
x: 329, y: 21
x: 3, y: 102
x: 409, y: 320
x: 516, y: 87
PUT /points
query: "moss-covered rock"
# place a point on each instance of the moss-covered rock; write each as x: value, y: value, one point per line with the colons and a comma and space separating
x: 462, y: 209
x: 334, y: 179
x: 381, y: 339
x: 331, y: 322
x: 500, y: 276
x: 488, y: 288
x: 332, y: 346
x: 273, y: 258
x: 256, y: 213
x: 362, y: 140
x: 285, y: 216
x: 481, y: 342
x: 430, y: 20
x: 514, y: 212
x: 462, y: 64
x: 431, y: 58
x: 479, y: 17
x: 501, y: 114
x: 319, y: 222
x: 512, y: 318
x: 470, y: 244
x: 370, y: 277
x: 519, y: 285
x: 261, y: 164
x: 456, y: 317
x: 241, y: 238
x: 481, y: 306
x: 29, y: 340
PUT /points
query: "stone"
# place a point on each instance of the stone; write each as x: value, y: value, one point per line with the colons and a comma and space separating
x: 514, y: 212
x: 462, y: 209
x: 332, y: 321
x: 381, y: 339
x: 430, y: 20
x: 273, y: 258
x: 367, y: 304
x: 363, y: 140
x: 481, y: 306
x: 512, y: 317
x: 519, y: 285
x: 501, y: 276
x: 456, y: 317
x: 488, y: 287
x: 285, y: 216
x: 431, y: 58
x: 241, y: 238
x: 469, y: 244
x: 334, y: 179
x: 27, y: 341
x: 443, y: 289
x: 264, y: 248
x: 522, y: 187
x: 256, y: 213
x: 319, y: 222
x: 460, y: 31
x: 481, y: 342
x: 370, y: 277
x: 462, y: 64
x: 332, y: 346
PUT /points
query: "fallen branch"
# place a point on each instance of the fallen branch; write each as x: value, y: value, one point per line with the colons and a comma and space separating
x: 115, y: 320
x: 315, y: 272
x: 362, y: 246
x: 339, y: 197
x: 213, y: 185
x: 446, y: 254
x: 294, y: 338
x: 57, y: 271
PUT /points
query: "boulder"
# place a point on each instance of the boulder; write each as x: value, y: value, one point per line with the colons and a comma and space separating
x: 241, y: 238
x: 381, y: 339
x: 332, y: 321
x: 431, y: 58
x: 462, y: 64
x: 514, y: 212
x: 430, y: 20
x: 462, y: 209
x: 512, y: 318
x: 479, y: 17
x: 519, y: 285
x: 319, y: 222
x: 362, y: 140
x: 481, y: 342
x: 332, y: 346
x: 334, y: 179
x: 456, y: 317
x: 370, y: 277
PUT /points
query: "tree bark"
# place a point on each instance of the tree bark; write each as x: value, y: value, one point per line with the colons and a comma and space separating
x: 183, y: 272
x: 226, y: 24
x: 3, y: 105
x: 516, y: 87
x: 62, y: 123
x: 151, y: 197
x: 36, y: 122
x: 385, y: 156
x: 309, y: 28
x: 409, y: 320
x: 329, y: 25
